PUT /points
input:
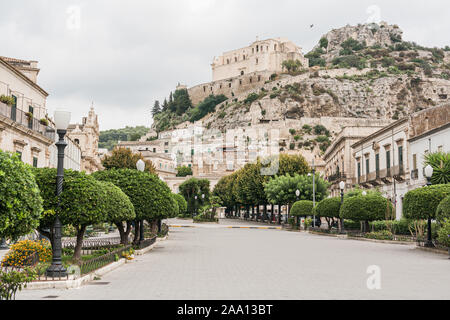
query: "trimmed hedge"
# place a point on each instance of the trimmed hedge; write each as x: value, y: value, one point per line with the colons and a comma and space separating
x: 444, y: 234
x: 366, y: 208
x: 328, y: 207
x: 302, y: 208
x: 443, y: 209
x: 182, y: 204
x: 422, y: 203
x: 397, y: 226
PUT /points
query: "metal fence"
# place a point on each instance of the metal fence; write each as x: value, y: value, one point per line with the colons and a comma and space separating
x: 145, y: 243
x: 26, y: 120
x: 93, y: 264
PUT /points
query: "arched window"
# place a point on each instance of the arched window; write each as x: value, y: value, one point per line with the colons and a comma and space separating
x: 242, y: 72
x: 77, y: 141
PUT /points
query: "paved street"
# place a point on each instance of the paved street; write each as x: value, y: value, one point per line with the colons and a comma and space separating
x: 215, y: 262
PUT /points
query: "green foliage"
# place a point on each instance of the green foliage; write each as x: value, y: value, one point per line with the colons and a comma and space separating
x: 323, y: 42
x: 443, y: 209
x: 351, y: 45
x: 250, y: 184
x: 118, y: 206
x: 328, y: 207
x: 315, y: 58
x: 401, y: 226
x: 320, y: 129
x: 292, y: 131
x: 184, y: 171
x: 422, y: 203
x: 82, y: 202
x: 366, y: 208
x: 182, y: 204
x: 380, y: 235
x: 181, y: 102
x: 302, y: 208
x: 281, y: 189
x: 224, y: 190
x: 350, y: 61
x: 7, y: 100
x: 149, y: 195
x: 307, y: 128
x: 291, y: 65
x: 109, y: 138
x: 13, y: 281
x: 206, y: 106
x: 440, y: 161
x: 444, y: 234
x: 195, y: 187
x: 251, y: 98
x: 20, y: 200
x: 123, y: 158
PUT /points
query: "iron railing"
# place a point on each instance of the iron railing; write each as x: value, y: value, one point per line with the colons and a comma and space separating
x: 22, y: 118
x: 145, y: 243
x: 93, y: 264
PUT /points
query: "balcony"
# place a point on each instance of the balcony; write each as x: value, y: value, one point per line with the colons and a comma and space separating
x: 398, y: 173
x: 24, y: 120
x: 336, y: 177
x: 386, y: 175
x: 374, y: 178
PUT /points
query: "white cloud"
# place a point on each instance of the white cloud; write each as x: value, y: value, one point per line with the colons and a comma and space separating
x: 125, y: 54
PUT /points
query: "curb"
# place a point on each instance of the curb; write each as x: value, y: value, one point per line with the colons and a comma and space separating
x: 177, y: 226
x: 77, y: 283
x: 433, y: 250
x: 264, y: 228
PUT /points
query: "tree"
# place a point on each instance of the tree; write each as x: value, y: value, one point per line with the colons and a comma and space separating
x: 119, y: 210
x: 176, y: 208
x: 156, y: 108
x: 422, y: 203
x: 224, y: 191
x: 443, y: 209
x: 366, y: 208
x: 206, y: 106
x: 182, y: 204
x: 184, y: 171
x: 149, y: 195
x: 165, y: 105
x: 302, y: 208
x: 291, y: 65
x: 329, y: 209
x: 180, y: 101
x: 440, y: 161
x: 123, y: 158
x: 83, y: 202
x: 20, y: 200
x: 195, y: 187
x: 323, y: 42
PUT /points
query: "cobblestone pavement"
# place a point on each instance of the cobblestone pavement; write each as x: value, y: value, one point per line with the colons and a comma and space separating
x: 222, y: 263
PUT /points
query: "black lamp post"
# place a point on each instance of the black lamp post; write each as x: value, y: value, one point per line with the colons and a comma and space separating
x: 56, y: 269
x: 140, y: 166
x: 342, y: 187
x: 3, y: 245
x: 428, y: 175
x: 297, y: 194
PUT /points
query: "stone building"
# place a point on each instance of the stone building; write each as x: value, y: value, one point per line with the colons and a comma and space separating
x: 338, y: 156
x: 86, y: 135
x: 389, y: 159
x: 25, y: 127
x: 261, y: 56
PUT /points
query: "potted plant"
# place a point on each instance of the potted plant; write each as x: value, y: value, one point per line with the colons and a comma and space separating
x: 44, y: 121
x: 7, y: 100
x: 29, y: 115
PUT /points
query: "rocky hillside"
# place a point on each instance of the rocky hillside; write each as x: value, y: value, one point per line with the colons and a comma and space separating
x: 365, y: 71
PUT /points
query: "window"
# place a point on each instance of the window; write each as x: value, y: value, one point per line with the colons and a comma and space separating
x: 359, y: 170
x: 242, y: 73
x: 166, y: 151
x: 400, y: 156
x: 14, y: 108
x: 35, y: 162
x: 414, y: 161
x: 30, y: 119
x: 189, y: 165
x: 367, y: 166
x: 377, y: 164
x: 154, y: 149
x: 192, y: 152
x: 19, y: 153
x: 256, y: 60
x: 77, y: 141
x: 235, y: 59
x: 388, y: 159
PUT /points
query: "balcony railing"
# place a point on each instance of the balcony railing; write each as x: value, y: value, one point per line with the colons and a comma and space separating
x: 23, y: 119
x: 337, y: 176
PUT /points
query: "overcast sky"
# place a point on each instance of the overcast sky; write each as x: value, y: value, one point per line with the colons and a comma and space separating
x: 125, y: 54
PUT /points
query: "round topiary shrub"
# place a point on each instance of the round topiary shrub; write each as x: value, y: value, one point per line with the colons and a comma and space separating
x: 444, y: 234
x: 422, y: 203
x: 443, y: 209
x: 20, y: 200
x: 329, y: 209
x: 302, y: 208
x: 182, y: 204
x: 366, y: 208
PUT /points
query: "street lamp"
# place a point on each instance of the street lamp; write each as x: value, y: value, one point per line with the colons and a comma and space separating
x: 342, y: 187
x: 140, y: 166
x: 56, y: 269
x: 364, y: 193
x: 428, y: 174
x: 195, y: 206
x: 297, y: 193
x: 314, y: 191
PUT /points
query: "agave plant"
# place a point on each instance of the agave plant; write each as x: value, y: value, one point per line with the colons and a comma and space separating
x: 440, y: 161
